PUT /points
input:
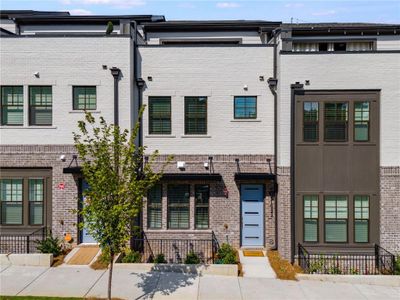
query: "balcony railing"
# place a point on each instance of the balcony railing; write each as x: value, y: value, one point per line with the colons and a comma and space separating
x: 21, y: 242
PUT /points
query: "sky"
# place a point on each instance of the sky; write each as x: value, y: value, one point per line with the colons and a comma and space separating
x: 277, y: 10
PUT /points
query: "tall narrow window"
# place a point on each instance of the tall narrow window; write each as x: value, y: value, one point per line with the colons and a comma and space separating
x: 40, y: 105
x: 159, y: 115
x: 11, y: 201
x: 336, y: 121
x: 245, y: 107
x: 84, y: 97
x: 310, y: 121
x: 336, y: 215
x: 154, y: 207
x: 310, y: 218
x: 195, y: 115
x: 361, y: 121
x: 12, y: 105
x: 202, y: 198
x: 36, y: 198
x: 178, y: 206
x: 361, y: 219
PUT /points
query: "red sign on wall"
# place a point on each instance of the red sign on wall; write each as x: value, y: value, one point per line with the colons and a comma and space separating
x: 61, y: 186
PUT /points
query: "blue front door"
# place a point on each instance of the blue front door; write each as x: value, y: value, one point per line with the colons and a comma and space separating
x: 252, y: 197
x: 85, y: 236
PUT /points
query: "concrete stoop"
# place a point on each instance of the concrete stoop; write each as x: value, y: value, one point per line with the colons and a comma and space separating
x: 256, y: 266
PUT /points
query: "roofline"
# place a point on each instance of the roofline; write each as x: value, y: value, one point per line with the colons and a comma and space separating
x: 7, y: 14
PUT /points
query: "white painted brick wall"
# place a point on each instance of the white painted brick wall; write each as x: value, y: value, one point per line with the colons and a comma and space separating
x: 220, y: 74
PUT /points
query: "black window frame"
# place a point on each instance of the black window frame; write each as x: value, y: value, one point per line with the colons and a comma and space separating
x: 311, y: 122
x: 2, y: 105
x: 32, y: 107
x: 152, y: 99
x: 201, y: 205
x: 154, y: 206
x: 75, y: 101
x: 336, y: 122
x: 177, y: 205
x: 245, y: 107
x: 198, y: 132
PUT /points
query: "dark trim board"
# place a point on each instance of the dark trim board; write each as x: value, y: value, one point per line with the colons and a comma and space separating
x: 76, y: 35
x: 192, y: 176
x: 207, y: 45
x: 255, y: 176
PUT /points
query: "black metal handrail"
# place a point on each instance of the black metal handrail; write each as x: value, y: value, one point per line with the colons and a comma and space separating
x: 22, y: 242
x: 373, y: 261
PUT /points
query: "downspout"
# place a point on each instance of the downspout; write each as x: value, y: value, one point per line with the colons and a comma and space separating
x: 115, y: 72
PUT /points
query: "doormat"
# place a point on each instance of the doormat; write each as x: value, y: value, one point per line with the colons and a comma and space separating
x: 84, y: 255
x: 253, y: 253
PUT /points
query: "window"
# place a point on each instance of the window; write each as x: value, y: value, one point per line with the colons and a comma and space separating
x: 339, y: 46
x: 84, y: 97
x: 202, y: 198
x: 336, y: 215
x: 361, y: 121
x: 36, y: 198
x: 40, y: 105
x: 12, y: 105
x: 323, y: 47
x: 310, y: 121
x: 245, y: 107
x: 159, y: 115
x: 336, y: 121
x: 310, y: 218
x: 195, y: 115
x: 361, y: 219
x: 154, y: 207
x: 11, y: 201
x: 178, y: 206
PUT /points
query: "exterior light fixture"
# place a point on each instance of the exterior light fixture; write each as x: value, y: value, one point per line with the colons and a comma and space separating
x: 272, y: 82
x: 140, y: 83
x: 181, y: 165
x: 37, y: 74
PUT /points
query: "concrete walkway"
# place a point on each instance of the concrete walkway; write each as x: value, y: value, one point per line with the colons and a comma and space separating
x: 256, y: 266
x: 81, y: 281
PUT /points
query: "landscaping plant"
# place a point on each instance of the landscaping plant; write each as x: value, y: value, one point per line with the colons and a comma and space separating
x: 192, y: 258
x: 50, y: 245
x: 397, y: 265
x: 113, y: 166
x: 226, y: 254
x: 160, y: 259
x: 131, y: 256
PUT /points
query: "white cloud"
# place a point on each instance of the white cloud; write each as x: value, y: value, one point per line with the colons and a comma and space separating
x: 80, y: 12
x: 294, y: 5
x: 114, y: 3
x: 227, y: 5
x: 324, y: 13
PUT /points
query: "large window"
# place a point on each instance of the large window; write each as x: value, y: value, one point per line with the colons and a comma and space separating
x: 310, y: 218
x: 36, y: 198
x: 11, y: 201
x: 178, y: 206
x: 40, y: 105
x: 245, y: 107
x: 361, y: 219
x: 195, y: 115
x: 159, y: 115
x: 12, y: 105
x: 154, y: 207
x: 336, y: 121
x: 336, y: 216
x: 310, y: 121
x: 202, y: 198
x: 361, y: 121
x: 84, y: 97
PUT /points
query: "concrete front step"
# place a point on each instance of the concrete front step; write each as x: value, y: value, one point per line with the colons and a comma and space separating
x: 256, y: 266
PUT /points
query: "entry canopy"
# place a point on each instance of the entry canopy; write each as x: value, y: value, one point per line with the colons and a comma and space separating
x: 246, y: 176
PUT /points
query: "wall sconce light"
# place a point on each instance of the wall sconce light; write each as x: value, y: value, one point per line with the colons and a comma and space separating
x: 149, y: 78
x: 37, y: 74
x: 261, y: 78
x: 272, y: 82
x: 245, y: 87
x: 104, y: 67
x: 307, y: 82
x: 206, y: 165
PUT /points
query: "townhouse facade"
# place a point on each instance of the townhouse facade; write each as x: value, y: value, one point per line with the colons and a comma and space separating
x: 280, y: 133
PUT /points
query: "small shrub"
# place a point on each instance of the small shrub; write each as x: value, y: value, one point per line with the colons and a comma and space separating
x: 50, y: 245
x: 226, y: 254
x: 110, y: 28
x: 353, y: 271
x: 160, y: 259
x: 397, y: 265
x: 131, y: 256
x: 192, y: 258
x: 334, y: 270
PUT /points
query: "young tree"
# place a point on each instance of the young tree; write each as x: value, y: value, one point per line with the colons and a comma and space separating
x: 112, y: 165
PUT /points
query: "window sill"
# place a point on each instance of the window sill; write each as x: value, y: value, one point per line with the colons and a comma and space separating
x: 28, y: 127
x: 82, y: 111
x: 195, y: 136
x: 246, y: 120
x: 158, y: 136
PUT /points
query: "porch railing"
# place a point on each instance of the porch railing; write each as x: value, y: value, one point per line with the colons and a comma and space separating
x: 373, y: 261
x: 21, y: 242
x: 176, y: 250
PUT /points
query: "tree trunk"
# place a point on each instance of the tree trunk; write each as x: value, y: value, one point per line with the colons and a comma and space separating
x: 110, y: 275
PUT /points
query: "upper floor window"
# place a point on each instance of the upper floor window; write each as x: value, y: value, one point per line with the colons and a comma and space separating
x: 84, y: 97
x: 310, y: 121
x: 336, y: 121
x: 40, y: 105
x: 159, y: 115
x: 245, y: 107
x: 12, y: 105
x: 195, y: 115
x: 327, y: 46
x: 361, y: 121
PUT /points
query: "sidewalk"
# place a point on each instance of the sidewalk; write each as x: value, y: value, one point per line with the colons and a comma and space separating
x: 81, y: 281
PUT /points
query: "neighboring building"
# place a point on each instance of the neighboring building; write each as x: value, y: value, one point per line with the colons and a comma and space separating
x: 248, y: 109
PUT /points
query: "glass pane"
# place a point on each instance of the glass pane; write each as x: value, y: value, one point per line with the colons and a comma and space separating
x: 361, y: 131
x: 361, y: 231
x: 11, y: 213
x: 155, y: 194
x: 201, y: 217
x: 310, y: 132
x: 336, y: 231
x: 202, y: 194
x: 178, y: 206
x: 36, y: 192
x: 310, y: 230
x: 310, y: 206
x: 159, y: 115
x: 35, y: 213
x: 195, y: 115
x: 40, y: 99
x: 178, y: 217
x: 11, y: 190
x: 154, y: 216
x: 310, y: 111
x: 12, y: 100
x: 245, y: 107
x: 336, y: 117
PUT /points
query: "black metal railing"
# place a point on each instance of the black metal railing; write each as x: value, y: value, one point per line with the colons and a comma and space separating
x: 372, y: 261
x: 21, y: 242
x: 176, y: 250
